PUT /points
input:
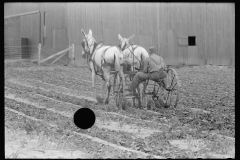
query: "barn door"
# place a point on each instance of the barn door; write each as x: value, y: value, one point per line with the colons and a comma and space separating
x: 182, y: 49
x: 192, y: 51
x: 192, y: 55
x: 187, y: 50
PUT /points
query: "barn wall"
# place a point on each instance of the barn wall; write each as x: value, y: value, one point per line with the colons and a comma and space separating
x: 165, y: 25
x: 56, y: 36
x: 107, y: 20
x: 211, y: 23
x: 162, y: 25
x: 219, y: 33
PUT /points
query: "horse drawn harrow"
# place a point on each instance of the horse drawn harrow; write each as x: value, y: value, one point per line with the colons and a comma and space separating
x: 152, y: 95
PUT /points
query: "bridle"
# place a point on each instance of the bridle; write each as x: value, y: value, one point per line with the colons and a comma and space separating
x: 124, y: 47
x: 90, y: 57
x: 88, y: 45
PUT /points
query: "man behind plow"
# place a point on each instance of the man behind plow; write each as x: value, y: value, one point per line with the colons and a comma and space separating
x: 154, y: 69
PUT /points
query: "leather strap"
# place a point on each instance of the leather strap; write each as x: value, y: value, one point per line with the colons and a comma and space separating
x: 161, y: 69
x: 154, y: 61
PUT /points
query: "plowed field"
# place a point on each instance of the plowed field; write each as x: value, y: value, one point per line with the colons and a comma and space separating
x: 40, y: 102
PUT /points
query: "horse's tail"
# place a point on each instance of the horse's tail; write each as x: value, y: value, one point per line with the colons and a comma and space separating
x: 114, y: 59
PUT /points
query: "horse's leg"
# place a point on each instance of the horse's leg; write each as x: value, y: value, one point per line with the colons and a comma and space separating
x: 108, y: 90
x: 103, y: 88
x: 106, y: 71
x: 144, y: 86
x: 124, y: 86
x: 93, y: 78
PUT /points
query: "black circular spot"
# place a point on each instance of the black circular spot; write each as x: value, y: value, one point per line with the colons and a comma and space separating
x: 84, y: 118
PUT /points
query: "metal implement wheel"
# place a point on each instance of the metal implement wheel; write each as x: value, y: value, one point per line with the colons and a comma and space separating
x: 159, y: 103
x: 170, y: 98
x: 151, y: 99
x: 118, y: 92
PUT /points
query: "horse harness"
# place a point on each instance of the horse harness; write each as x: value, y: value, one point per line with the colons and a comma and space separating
x: 97, y: 69
x: 132, y: 52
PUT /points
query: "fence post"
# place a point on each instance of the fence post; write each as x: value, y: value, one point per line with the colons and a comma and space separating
x: 72, y: 56
x: 69, y: 52
x: 39, y: 53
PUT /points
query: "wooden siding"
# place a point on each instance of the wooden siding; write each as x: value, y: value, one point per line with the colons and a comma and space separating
x: 211, y: 23
x: 159, y: 24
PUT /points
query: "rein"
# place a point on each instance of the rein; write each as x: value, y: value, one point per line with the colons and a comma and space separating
x: 125, y: 46
x: 132, y: 52
x: 90, y: 58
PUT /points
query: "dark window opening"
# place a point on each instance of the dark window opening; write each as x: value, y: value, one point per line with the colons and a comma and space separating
x: 191, y: 41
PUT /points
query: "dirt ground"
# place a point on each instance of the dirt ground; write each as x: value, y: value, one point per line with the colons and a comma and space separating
x: 19, y: 144
x: 40, y: 102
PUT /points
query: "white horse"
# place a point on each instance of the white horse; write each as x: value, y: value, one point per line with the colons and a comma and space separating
x: 101, y: 60
x: 130, y: 52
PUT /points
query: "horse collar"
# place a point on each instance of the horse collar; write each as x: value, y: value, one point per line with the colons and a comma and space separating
x: 125, y: 46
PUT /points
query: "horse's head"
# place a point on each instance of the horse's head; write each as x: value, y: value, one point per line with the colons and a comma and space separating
x: 124, y: 42
x: 87, y: 43
x: 84, y: 51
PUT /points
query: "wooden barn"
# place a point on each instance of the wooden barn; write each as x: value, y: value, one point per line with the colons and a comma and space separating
x: 189, y: 33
